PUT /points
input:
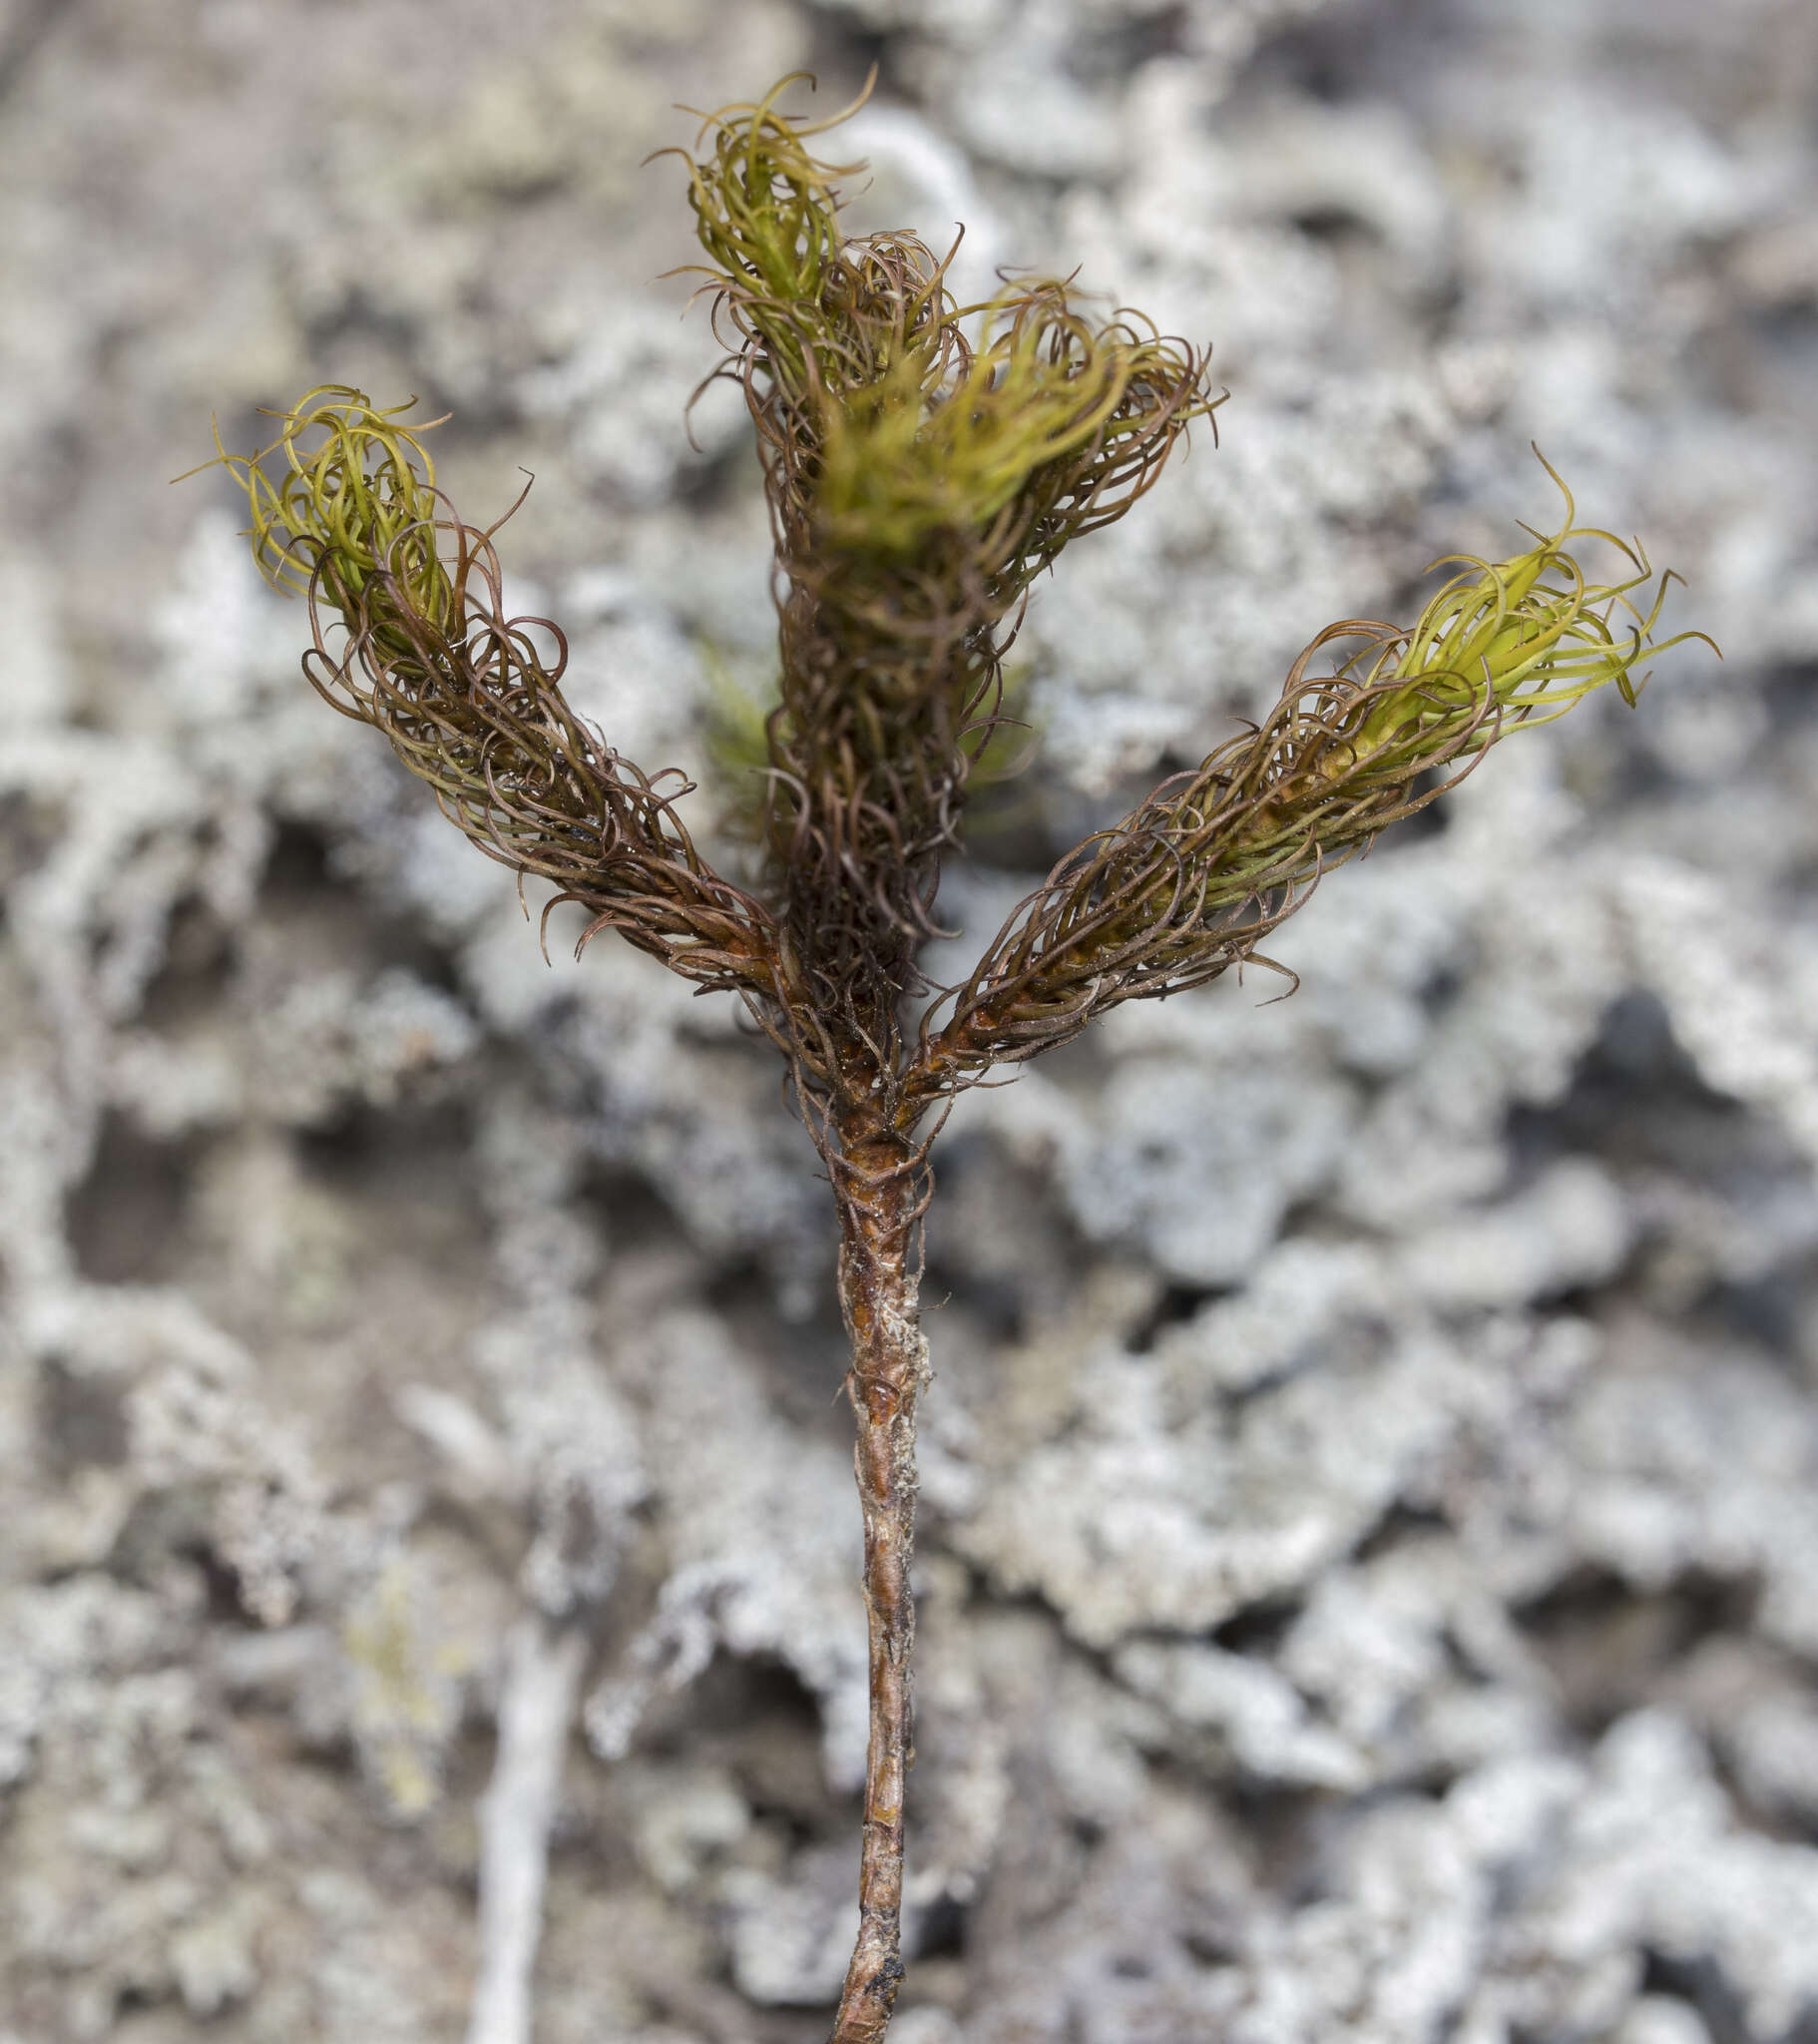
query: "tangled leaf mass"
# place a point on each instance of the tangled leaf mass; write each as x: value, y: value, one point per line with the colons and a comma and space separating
x: 923, y: 460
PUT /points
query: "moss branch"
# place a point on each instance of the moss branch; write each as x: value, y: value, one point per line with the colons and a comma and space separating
x: 1197, y: 874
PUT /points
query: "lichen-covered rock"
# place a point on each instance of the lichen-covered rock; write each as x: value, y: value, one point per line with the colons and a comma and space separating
x: 1369, y: 1555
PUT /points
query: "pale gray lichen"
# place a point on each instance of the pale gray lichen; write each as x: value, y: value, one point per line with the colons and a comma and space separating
x: 1369, y: 1561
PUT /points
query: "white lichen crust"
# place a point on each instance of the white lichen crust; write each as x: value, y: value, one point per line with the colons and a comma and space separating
x: 1368, y: 1561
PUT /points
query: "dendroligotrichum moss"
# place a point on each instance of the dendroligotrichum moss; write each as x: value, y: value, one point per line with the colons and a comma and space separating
x: 924, y: 461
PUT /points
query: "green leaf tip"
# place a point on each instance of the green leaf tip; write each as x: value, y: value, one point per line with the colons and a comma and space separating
x: 1049, y: 415
x: 1510, y: 643
x: 355, y: 498
x: 766, y: 211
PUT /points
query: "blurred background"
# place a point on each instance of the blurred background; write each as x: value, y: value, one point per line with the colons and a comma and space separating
x: 1370, y: 1566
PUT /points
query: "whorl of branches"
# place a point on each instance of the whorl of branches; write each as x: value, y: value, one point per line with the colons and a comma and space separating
x: 924, y: 461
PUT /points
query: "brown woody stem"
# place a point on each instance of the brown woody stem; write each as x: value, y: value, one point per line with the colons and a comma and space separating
x: 882, y: 1185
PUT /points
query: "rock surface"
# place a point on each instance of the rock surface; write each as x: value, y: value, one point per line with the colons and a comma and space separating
x: 1370, y: 1566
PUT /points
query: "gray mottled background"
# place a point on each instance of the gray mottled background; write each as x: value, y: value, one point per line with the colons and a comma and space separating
x: 1370, y: 1580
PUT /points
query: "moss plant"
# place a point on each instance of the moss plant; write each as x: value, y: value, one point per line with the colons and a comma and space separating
x: 924, y: 461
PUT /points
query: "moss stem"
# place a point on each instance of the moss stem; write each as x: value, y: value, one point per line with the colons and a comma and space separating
x: 882, y: 1182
